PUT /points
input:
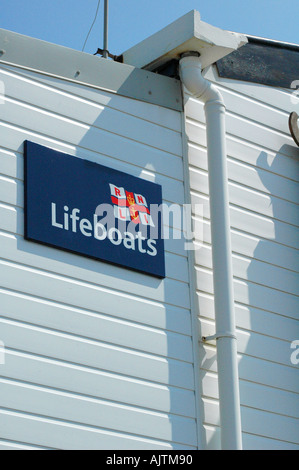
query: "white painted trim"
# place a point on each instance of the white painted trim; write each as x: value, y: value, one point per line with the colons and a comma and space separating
x: 84, y: 69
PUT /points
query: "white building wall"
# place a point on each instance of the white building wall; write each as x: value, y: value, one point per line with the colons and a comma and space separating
x: 263, y: 188
x: 96, y: 356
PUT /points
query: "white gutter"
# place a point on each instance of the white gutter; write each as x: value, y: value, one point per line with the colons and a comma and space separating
x: 228, y: 379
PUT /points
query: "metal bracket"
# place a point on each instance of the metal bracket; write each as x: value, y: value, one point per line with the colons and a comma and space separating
x: 225, y: 334
x: 116, y: 58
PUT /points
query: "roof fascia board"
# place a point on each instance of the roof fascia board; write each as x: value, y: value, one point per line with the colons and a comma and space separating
x: 61, y: 62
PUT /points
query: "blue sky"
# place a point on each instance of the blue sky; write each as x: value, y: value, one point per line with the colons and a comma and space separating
x: 67, y: 22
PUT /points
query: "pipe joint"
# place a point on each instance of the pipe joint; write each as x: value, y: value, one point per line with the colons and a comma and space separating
x: 196, y: 84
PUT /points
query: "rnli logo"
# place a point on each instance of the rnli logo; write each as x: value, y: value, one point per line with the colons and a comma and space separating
x: 130, y: 206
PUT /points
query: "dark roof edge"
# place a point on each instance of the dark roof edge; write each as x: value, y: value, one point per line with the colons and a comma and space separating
x: 273, y: 43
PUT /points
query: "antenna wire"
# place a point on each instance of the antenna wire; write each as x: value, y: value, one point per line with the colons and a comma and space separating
x: 95, y: 18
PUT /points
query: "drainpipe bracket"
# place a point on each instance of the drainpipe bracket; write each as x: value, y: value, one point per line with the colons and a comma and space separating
x: 219, y: 335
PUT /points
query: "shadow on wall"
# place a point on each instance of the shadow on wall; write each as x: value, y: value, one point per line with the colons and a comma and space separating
x: 272, y: 289
x: 266, y: 307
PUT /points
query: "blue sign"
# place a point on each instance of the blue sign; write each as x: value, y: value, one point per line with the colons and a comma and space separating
x: 89, y: 209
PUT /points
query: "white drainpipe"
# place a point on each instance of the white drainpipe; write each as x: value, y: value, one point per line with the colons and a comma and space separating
x: 228, y: 379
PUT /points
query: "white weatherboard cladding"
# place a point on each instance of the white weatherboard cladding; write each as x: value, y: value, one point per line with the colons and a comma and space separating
x: 263, y: 173
x: 96, y: 356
